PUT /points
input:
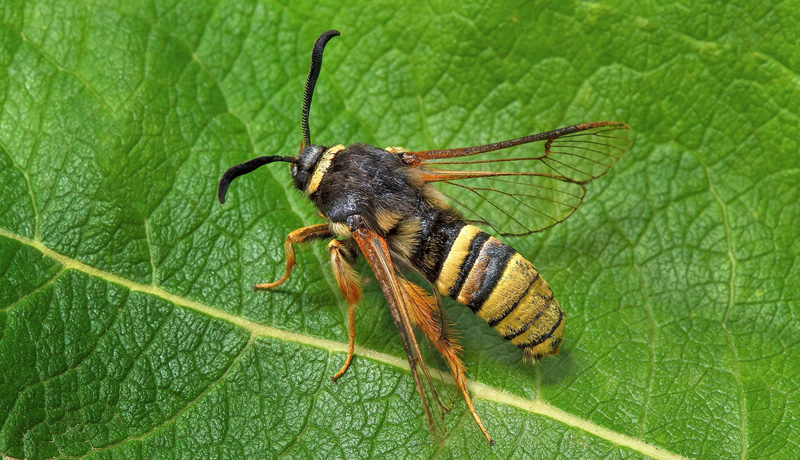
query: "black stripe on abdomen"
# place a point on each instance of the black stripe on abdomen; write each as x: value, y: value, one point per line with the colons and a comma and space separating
x: 485, y: 273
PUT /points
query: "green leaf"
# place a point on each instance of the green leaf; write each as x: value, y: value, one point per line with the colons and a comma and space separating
x: 128, y: 328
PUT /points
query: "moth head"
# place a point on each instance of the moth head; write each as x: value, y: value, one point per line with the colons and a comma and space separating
x: 302, y: 166
x: 307, y: 162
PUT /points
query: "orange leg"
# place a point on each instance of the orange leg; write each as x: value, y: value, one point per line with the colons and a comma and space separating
x: 301, y: 235
x: 424, y: 313
x: 409, y: 304
x: 347, y: 279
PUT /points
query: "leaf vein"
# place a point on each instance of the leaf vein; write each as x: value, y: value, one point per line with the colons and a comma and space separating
x: 479, y: 390
x: 731, y: 302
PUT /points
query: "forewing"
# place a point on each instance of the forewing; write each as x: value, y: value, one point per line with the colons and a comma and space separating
x: 519, y: 189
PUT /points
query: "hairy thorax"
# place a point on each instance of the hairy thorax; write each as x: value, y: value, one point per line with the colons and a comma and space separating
x: 377, y: 185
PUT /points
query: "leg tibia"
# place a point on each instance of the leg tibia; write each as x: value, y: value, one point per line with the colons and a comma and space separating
x: 348, y: 282
x: 346, y: 277
x: 301, y: 235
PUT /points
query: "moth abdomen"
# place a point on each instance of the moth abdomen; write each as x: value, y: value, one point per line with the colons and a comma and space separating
x: 504, y: 289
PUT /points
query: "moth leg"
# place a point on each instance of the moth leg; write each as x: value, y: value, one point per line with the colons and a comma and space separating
x: 301, y: 235
x: 425, y: 314
x: 409, y: 304
x: 376, y: 251
x: 349, y: 284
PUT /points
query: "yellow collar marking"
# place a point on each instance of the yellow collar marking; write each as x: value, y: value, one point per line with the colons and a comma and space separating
x: 322, y: 167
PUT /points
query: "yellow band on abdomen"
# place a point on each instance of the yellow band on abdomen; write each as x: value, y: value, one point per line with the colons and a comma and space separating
x: 455, y: 258
x: 512, y: 286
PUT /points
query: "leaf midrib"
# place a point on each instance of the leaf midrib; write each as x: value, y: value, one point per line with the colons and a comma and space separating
x: 479, y: 390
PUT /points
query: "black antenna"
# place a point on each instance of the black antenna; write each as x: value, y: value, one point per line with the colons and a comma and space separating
x: 311, y: 81
x: 243, y: 168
